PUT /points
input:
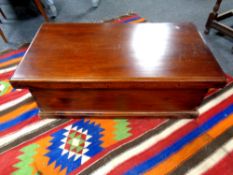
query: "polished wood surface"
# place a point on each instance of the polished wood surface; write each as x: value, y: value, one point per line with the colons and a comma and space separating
x: 118, y: 70
x: 169, y: 53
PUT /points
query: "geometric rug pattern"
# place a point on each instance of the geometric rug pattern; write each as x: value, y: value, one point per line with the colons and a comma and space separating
x: 31, y: 145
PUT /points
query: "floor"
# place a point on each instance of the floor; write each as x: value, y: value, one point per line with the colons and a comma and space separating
x: 19, y: 32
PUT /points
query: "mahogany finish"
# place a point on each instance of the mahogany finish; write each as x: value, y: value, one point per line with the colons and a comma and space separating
x: 118, y: 70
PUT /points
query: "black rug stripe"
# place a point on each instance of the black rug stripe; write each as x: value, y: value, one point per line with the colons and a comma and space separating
x: 14, y: 107
x: 33, y: 134
x: 202, y: 154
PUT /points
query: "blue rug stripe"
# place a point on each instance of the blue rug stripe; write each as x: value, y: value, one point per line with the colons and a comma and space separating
x: 158, y: 158
x: 20, y: 54
x: 19, y: 119
x: 131, y: 19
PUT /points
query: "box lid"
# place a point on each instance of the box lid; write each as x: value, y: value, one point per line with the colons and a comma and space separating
x: 148, y: 55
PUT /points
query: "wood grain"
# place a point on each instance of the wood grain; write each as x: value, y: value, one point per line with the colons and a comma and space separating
x: 172, y: 53
x: 118, y: 69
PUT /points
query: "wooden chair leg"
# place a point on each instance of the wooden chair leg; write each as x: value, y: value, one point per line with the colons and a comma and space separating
x: 212, y: 16
x: 41, y: 9
x: 2, y: 13
x: 3, y: 36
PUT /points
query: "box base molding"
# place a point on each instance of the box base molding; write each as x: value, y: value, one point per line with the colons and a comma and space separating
x: 117, y: 114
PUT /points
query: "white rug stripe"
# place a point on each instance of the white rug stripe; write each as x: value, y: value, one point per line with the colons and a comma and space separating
x: 24, y: 131
x: 211, y: 160
x: 228, y: 146
x: 202, y: 109
x: 7, y: 69
x: 139, y: 148
x: 14, y: 102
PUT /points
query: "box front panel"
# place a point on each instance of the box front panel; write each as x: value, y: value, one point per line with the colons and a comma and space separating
x: 117, y: 100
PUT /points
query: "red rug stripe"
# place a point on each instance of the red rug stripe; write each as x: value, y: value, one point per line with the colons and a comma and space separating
x: 12, y: 96
x: 155, y: 149
x: 6, y: 75
x: 216, y: 109
x: 224, y: 166
x: 126, y: 18
x: 20, y: 125
x: 5, y: 55
x: 138, y: 128
x: 229, y: 78
x: 11, y: 158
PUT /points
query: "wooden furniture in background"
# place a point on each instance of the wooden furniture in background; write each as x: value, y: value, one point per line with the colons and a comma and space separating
x: 215, y: 18
x: 112, y: 70
x: 1, y: 31
x: 3, y: 36
x: 2, y: 13
x: 43, y: 13
x: 41, y: 9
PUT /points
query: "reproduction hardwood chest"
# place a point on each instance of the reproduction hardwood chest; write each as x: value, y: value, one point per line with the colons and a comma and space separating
x: 118, y: 70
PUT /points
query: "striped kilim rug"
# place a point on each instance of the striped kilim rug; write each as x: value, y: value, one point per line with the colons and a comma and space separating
x: 29, y: 145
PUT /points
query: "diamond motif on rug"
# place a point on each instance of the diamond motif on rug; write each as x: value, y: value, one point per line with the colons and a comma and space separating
x: 75, y: 144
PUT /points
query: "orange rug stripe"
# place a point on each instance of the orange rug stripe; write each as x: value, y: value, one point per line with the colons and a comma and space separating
x: 190, y: 149
x: 108, y: 134
x: 17, y: 112
x: 221, y: 127
x: 137, y: 21
x: 10, y: 62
